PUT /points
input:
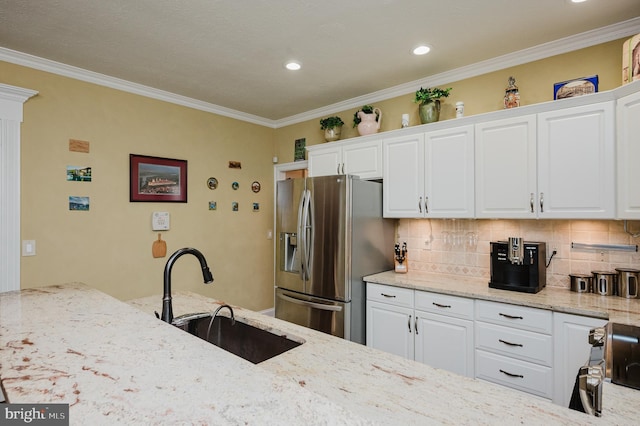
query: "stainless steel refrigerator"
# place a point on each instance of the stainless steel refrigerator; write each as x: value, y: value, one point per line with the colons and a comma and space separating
x: 331, y: 234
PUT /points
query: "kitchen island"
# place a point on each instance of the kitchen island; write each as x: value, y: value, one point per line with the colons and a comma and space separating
x: 115, y: 363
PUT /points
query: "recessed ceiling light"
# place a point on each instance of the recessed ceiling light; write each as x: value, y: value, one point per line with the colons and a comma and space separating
x: 293, y: 65
x: 577, y: 1
x: 421, y: 50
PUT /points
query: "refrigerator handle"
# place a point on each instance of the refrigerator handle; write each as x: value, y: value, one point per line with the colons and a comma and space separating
x: 301, y: 239
x: 306, y: 229
x: 320, y: 306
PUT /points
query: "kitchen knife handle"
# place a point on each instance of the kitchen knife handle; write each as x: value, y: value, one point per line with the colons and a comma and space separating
x: 420, y: 205
x: 531, y: 202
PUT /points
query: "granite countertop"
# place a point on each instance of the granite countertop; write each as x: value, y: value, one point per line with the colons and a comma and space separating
x: 613, y: 308
x: 115, y: 363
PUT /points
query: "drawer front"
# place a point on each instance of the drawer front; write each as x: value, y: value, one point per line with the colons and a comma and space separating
x: 520, y: 344
x: 392, y: 295
x: 521, y: 317
x: 524, y: 376
x: 443, y: 304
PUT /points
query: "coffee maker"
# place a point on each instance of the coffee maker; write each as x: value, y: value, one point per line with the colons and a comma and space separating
x: 518, y: 265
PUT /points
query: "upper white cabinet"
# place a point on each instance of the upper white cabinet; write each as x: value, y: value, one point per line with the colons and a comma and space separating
x: 430, y: 174
x: 628, y: 147
x: 505, y: 168
x: 363, y: 159
x: 576, y: 162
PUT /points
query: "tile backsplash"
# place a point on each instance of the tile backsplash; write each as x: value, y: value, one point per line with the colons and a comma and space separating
x: 461, y: 246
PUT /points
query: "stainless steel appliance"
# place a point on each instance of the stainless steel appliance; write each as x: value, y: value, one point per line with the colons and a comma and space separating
x: 518, y: 265
x: 331, y: 233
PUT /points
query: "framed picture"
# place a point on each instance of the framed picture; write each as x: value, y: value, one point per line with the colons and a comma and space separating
x: 575, y: 87
x: 299, y: 149
x: 156, y: 179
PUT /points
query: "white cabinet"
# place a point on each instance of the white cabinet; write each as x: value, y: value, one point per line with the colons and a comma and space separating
x: 576, y: 162
x: 572, y: 350
x: 505, y: 168
x: 554, y: 165
x: 363, y: 159
x: 514, y: 347
x: 431, y: 328
x: 628, y: 151
x: 430, y: 175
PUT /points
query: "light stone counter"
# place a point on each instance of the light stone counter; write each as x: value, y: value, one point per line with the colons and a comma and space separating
x: 613, y: 308
x: 116, y: 364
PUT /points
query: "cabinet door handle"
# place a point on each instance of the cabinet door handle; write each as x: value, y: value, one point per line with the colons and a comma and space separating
x: 420, y: 205
x: 509, y: 343
x: 409, y: 323
x: 509, y: 316
x: 531, y: 202
x: 542, y: 202
x: 342, y: 168
x: 520, y: 376
x: 426, y: 206
x: 388, y: 295
x: 415, y: 324
x: 440, y: 306
x: 338, y: 169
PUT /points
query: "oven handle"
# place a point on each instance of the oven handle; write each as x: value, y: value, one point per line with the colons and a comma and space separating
x: 310, y: 304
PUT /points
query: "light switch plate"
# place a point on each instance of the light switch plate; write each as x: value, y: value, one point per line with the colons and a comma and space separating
x: 160, y: 221
x: 28, y: 247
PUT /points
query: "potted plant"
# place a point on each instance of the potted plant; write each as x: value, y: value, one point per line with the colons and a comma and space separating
x: 332, y: 127
x: 429, y: 100
x: 367, y: 120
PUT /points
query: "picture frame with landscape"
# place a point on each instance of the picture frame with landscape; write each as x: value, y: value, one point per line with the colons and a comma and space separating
x: 157, y: 179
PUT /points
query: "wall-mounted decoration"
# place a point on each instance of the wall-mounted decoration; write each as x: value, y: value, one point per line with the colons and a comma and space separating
x: 156, y: 179
x: 212, y: 183
x: 299, y: 149
x: 159, y: 247
x: 76, y: 145
x: 235, y: 186
x: 78, y: 174
x: 234, y: 206
x: 213, y: 205
x: 631, y: 59
x: 575, y: 87
x: 235, y: 165
x: 256, y: 207
x: 255, y: 186
x: 79, y: 203
x: 511, y: 94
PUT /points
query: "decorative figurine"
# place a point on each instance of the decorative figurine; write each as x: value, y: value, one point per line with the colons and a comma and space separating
x: 512, y: 95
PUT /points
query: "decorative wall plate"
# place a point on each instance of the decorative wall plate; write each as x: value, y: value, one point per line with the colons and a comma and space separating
x: 255, y: 186
x: 235, y: 185
x: 212, y: 183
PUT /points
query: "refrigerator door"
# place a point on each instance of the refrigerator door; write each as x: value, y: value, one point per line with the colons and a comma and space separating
x: 326, y: 237
x: 289, y: 271
x: 328, y: 316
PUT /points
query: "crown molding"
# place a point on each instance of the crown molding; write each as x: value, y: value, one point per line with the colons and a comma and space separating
x: 568, y: 44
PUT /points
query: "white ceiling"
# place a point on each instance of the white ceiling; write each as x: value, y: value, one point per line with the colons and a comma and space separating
x: 230, y: 54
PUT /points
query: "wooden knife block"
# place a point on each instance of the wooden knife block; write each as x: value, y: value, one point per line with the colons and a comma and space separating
x: 401, y: 268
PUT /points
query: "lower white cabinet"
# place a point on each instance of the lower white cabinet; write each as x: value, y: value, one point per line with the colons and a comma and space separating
x: 434, y: 329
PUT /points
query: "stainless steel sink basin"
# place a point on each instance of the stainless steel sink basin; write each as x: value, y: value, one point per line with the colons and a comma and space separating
x: 246, y: 341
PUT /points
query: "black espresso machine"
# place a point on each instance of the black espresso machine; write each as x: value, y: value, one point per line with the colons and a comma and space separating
x: 518, y: 265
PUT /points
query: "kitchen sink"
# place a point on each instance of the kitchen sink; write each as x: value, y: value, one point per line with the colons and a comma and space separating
x: 246, y: 341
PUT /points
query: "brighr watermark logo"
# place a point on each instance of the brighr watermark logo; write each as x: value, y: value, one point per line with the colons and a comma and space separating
x: 34, y: 414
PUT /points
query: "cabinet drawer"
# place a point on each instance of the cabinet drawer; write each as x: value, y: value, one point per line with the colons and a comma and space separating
x: 393, y: 295
x: 524, y: 345
x: 444, y: 304
x: 522, y: 317
x: 524, y: 376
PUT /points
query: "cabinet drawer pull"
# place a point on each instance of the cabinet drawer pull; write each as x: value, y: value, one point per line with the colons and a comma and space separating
x: 509, y: 343
x: 388, y: 295
x: 440, y: 305
x: 531, y: 202
x: 509, y: 316
x: 520, y: 376
x: 420, y: 205
x: 415, y: 324
x: 409, y: 323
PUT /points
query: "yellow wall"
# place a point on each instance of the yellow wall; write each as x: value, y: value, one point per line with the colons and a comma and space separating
x: 480, y: 94
x: 109, y: 247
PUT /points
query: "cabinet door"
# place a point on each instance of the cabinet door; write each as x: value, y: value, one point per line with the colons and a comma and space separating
x: 444, y: 342
x: 389, y: 329
x: 571, y: 351
x: 449, y: 177
x: 363, y: 159
x: 325, y: 160
x: 628, y: 147
x: 505, y: 170
x: 403, y: 184
x: 576, y: 156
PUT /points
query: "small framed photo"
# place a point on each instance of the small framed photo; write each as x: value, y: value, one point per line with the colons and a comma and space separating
x: 575, y: 87
x: 256, y: 207
x: 156, y: 179
x: 300, y: 149
x: 213, y: 205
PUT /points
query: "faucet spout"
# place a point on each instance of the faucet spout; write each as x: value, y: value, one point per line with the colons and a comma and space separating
x: 167, y: 307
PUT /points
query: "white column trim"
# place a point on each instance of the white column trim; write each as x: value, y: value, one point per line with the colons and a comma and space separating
x: 11, y: 108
